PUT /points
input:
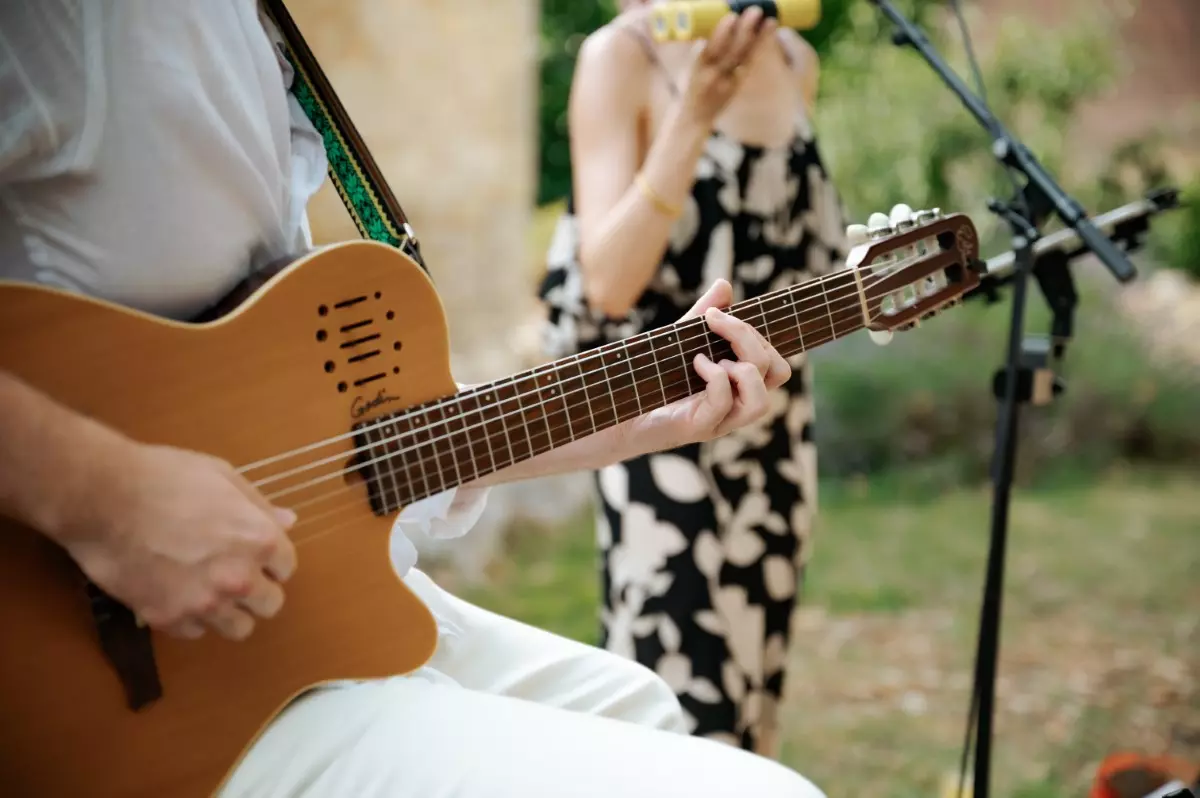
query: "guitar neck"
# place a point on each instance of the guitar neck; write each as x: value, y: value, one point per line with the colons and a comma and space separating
x: 431, y: 448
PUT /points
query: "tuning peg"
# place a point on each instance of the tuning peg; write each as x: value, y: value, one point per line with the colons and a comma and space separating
x: 878, y: 225
x: 901, y: 215
x: 857, y: 234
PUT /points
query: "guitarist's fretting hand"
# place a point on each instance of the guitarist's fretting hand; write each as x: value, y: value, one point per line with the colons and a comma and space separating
x: 736, y: 392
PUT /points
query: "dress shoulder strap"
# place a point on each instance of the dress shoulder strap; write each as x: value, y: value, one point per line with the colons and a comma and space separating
x: 647, y: 45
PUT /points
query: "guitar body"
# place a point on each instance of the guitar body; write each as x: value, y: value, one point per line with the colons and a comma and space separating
x: 274, y: 376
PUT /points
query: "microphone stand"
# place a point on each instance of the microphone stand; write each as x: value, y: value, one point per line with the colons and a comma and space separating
x: 1034, y: 201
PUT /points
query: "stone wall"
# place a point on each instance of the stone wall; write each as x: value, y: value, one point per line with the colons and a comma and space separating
x: 446, y: 100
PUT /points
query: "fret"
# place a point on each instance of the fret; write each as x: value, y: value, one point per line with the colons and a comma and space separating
x: 542, y: 399
x: 662, y: 388
x: 465, y: 426
x: 644, y: 372
x: 796, y: 314
x: 390, y: 445
x: 487, y: 430
x: 534, y: 409
x: 418, y: 427
x: 562, y: 392
x: 458, y: 435
x: 556, y: 409
x: 607, y: 359
x: 441, y: 456
x: 776, y: 326
x: 520, y: 442
x: 828, y: 311
x: 527, y: 400
x: 601, y: 407
x: 633, y: 380
x: 378, y: 459
x: 574, y: 392
x: 509, y: 455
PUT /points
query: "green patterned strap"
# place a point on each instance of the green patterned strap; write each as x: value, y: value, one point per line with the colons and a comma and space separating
x: 357, y: 177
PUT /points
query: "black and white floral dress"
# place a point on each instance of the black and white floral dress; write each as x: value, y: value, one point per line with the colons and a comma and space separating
x: 703, y: 547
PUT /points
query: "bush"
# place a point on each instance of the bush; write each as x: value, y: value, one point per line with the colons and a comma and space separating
x: 924, y: 403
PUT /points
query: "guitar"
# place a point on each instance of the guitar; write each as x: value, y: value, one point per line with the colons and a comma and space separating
x: 329, y: 388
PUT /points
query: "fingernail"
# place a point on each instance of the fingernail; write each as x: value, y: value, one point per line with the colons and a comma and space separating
x: 286, y: 517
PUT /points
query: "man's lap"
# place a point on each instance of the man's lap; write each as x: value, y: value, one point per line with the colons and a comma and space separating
x: 502, y: 709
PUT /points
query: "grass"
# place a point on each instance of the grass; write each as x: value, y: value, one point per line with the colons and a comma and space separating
x: 1101, y: 642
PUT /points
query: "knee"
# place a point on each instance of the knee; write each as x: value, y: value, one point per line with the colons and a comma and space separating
x: 651, y: 701
x: 777, y: 781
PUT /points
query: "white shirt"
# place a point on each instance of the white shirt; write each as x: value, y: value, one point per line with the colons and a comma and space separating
x: 152, y: 155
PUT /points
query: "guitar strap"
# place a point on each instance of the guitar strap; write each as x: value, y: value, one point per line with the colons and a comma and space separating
x: 357, y: 177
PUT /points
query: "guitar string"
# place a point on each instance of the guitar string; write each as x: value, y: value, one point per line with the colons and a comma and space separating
x: 340, y: 509
x: 468, y: 444
x: 821, y: 340
x: 428, y: 428
x: 521, y: 409
x: 476, y: 390
x: 686, y: 329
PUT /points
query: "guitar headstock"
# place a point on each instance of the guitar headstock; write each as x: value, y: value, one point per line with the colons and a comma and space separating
x: 911, y: 265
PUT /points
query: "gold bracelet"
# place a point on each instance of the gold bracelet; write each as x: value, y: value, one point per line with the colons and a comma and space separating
x: 661, y: 205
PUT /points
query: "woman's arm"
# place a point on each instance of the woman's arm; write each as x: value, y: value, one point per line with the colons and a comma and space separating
x: 625, y: 205
x: 807, y: 66
x: 623, y: 231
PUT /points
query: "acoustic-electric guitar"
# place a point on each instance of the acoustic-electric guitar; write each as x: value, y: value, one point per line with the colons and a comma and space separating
x: 329, y: 388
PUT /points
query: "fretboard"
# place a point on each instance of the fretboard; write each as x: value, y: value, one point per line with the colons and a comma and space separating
x: 431, y: 448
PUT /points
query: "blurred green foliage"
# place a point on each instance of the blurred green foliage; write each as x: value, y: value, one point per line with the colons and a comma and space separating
x: 924, y: 403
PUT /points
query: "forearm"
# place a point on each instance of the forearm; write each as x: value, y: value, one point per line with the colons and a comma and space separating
x: 49, y: 457
x: 586, y: 454
x: 621, y: 252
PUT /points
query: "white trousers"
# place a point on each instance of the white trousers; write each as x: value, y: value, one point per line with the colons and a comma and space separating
x: 503, y: 710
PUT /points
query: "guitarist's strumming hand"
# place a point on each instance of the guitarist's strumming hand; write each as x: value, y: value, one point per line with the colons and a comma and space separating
x: 178, y: 537
x: 185, y: 542
x: 736, y: 392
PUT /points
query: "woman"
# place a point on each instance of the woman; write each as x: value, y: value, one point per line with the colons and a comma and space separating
x: 693, y: 161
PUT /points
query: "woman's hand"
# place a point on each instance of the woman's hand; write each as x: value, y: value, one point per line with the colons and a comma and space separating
x: 714, y: 76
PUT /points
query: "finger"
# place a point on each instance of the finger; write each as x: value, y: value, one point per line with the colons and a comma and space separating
x: 281, y: 559
x: 745, y: 36
x: 752, y: 400
x: 719, y: 40
x: 718, y: 394
x: 186, y: 630
x: 780, y: 371
x: 746, y: 345
x: 283, y: 516
x: 718, y: 295
x: 231, y: 621
x: 265, y: 599
x: 279, y: 553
